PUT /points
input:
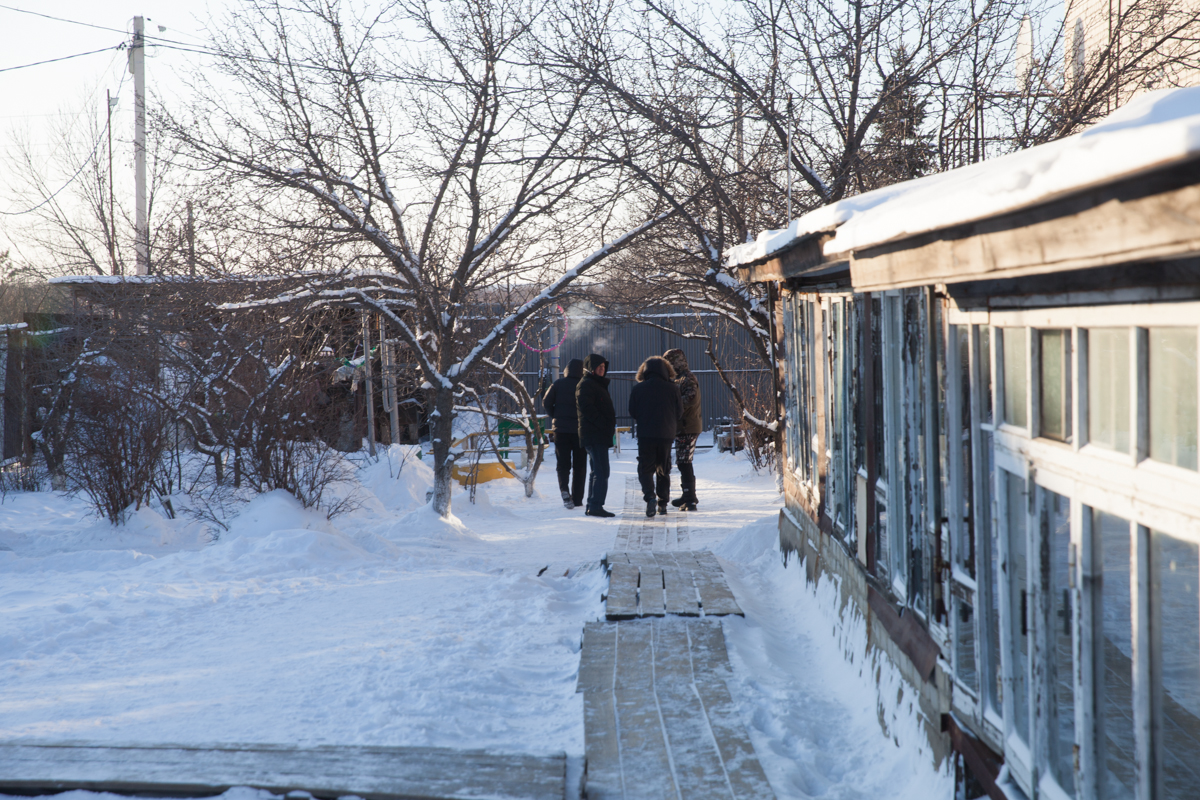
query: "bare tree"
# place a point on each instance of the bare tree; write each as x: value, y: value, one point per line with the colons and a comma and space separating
x: 74, y: 220
x: 1095, y: 60
x: 432, y: 168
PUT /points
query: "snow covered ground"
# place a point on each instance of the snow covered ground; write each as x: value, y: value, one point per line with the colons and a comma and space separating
x: 388, y: 626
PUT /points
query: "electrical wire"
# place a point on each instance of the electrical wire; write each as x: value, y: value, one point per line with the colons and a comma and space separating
x: 60, y: 19
x: 64, y: 58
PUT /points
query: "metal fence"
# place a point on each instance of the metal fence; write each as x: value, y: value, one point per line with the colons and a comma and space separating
x: 627, y: 343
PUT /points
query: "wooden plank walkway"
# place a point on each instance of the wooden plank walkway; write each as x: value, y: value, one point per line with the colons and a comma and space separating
x: 652, y: 584
x: 373, y: 773
x: 639, y: 532
x: 659, y: 721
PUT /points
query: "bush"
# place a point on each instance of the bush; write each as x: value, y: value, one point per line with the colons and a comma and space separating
x: 116, y: 448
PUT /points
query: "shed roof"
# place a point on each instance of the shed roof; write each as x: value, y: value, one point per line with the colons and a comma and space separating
x: 1157, y: 132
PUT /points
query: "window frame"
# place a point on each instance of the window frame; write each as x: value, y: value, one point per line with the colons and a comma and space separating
x: 1152, y: 496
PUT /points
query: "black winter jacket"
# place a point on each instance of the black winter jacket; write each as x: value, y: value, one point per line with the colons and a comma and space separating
x: 559, y: 401
x: 597, y: 417
x: 654, y: 402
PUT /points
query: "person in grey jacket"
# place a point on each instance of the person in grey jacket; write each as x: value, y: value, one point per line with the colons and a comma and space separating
x: 655, y: 405
x: 569, y: 455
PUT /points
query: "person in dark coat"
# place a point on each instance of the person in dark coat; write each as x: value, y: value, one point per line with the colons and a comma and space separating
x: 690, y: 427
x: 569, y: 455
x: 655, y: 405
x: 597, y: 426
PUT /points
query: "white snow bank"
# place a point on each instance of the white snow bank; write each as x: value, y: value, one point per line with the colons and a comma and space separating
x: 385, y: 626
x: 1155, y: 130
x: 811, y: 697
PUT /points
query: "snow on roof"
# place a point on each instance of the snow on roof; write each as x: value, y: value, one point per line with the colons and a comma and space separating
x: 1156, y: 130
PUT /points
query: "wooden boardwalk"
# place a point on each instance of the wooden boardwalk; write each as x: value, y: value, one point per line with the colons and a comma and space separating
x: 639, y: 532
x: 653, y: 584
x: 659, y: 721
x: 373, y: 773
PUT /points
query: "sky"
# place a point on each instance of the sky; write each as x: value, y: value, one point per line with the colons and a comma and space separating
x: 37, y: 100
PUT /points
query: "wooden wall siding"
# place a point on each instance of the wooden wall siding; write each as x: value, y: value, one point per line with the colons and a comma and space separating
x: 1148, y: 218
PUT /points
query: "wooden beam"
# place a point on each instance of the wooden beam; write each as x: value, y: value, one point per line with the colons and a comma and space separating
x: 1148, y: 218
x: 983, y: 763
x: 805, y: 257
x: 374, y: 773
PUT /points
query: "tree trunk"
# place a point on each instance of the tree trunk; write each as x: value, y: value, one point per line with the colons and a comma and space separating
x: 441, y: 430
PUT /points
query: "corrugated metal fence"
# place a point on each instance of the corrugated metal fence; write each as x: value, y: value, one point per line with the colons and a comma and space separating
x: 627, y: 343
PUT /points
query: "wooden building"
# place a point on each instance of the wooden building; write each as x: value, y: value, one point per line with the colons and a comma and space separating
x: 992, y: 402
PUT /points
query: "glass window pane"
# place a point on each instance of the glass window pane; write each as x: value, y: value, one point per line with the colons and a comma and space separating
x: 1173, y: 389
x: 1108, y: 388
x: 961, y: 429
x: 1177, y: 576
x: 964, y: 645
x: 882, y: 560
x: 985, y: 369
x: 1055, y: 385
x: 1012, y: 342
x: 877, y: 379
x: 1014, y: 491
x: 1112, y: 536
x: 1056, y: 520
x: 992, y: 547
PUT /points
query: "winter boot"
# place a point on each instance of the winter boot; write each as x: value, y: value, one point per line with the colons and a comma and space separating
x: 598, y: 512
x: 662, y: 507
x: 567, y: 501
x: 687, y: 486
x: 649, y: 508
x: 689, y: 506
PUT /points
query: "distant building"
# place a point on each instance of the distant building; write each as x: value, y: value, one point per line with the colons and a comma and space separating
x: 992, y: 408
x: 1132, y: 46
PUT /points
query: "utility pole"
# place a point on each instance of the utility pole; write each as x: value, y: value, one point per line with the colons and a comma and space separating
x: 112, y: 216
x: 191, y: 234
x: 387, y: 364
x: 789, y: 168
x: 368, y: 381
x: 137, y: 65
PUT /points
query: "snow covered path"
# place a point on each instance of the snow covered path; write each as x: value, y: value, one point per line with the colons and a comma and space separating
x: 390, y: 627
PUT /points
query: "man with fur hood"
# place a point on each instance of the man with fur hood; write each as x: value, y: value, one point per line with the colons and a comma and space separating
x: 656, y: 406
x: 690, y: 427
x: 569, y: 455
x: 597, y: 426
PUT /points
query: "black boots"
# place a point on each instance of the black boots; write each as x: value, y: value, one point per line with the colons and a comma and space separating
x: 687, y: 484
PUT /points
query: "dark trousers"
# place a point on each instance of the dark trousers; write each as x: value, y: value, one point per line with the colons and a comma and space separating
x: 598, y: 480
x: 685, y: 449
x: 571, y: 463
x: 654, y: 469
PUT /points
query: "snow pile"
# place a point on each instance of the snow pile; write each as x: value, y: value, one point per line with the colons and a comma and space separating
x: 1155, y: 130
x: 385, y: 626
x: 812, y: 698
x: 390, y: 626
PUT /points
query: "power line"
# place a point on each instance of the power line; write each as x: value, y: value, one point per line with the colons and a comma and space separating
x: 63, y: 58
x: 60, y: 19
x: 97, y: 27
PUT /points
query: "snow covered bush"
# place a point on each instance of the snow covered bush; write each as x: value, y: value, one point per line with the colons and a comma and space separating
x: 21, y: 478
x: 116, y: 450
x: 311, y: 471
